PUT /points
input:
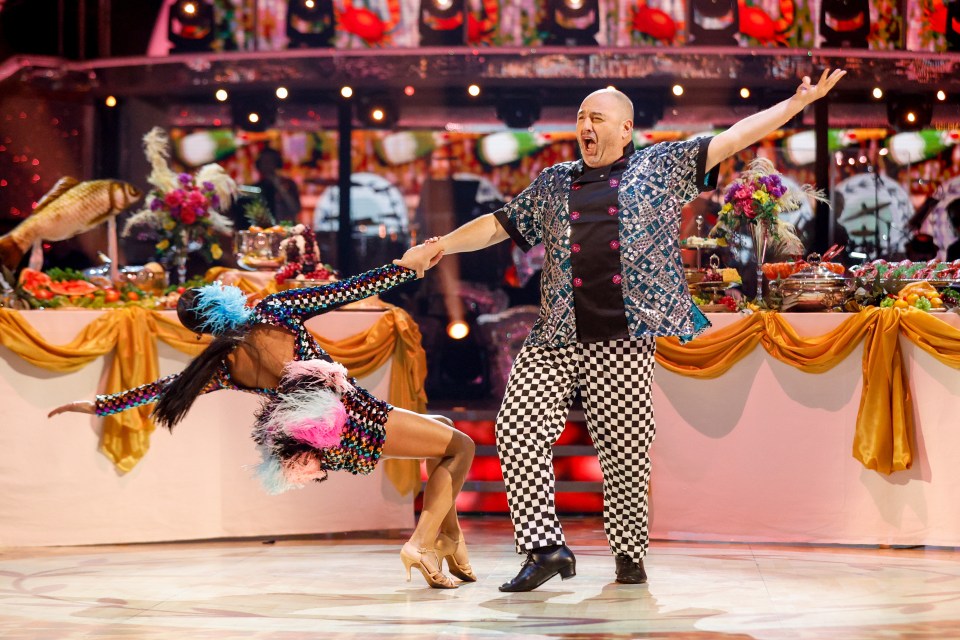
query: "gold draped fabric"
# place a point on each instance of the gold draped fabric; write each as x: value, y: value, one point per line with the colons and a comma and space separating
x: 884, y: 430
x: 882, y: 439
x: 132, y: 333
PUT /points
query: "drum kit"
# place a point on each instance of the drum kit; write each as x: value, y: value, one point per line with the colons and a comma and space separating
x: 869, y: 240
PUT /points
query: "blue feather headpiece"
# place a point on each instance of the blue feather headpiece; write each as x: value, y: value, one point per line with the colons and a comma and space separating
x: 222, y: 307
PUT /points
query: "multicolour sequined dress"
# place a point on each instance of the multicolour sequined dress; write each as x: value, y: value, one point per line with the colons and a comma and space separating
x: 317, y: 419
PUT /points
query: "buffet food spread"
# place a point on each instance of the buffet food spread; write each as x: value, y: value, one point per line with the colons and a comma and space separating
x: 813, y: 284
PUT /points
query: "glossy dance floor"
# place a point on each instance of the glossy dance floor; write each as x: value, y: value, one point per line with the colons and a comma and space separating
x: 353, y: 588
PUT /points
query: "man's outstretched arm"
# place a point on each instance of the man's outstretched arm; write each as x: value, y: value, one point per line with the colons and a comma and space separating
x: 752, y: 128
x: 479, y: 233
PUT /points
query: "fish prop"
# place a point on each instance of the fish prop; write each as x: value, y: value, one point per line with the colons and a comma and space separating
x: 70, y: 208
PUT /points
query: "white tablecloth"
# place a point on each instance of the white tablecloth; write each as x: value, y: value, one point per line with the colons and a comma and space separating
x: 763, y: 453
x: 56, y: 488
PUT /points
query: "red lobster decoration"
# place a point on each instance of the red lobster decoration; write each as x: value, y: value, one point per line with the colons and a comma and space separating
x: 366, y: 24
x: 754, y: 22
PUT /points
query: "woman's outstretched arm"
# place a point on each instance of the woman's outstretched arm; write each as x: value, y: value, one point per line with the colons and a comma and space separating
x: 311, y: 301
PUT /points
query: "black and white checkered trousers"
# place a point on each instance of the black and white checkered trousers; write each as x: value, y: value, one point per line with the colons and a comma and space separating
x: 614, y: 378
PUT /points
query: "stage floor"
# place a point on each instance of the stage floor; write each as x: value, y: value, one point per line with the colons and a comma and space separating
x: 353, y: 587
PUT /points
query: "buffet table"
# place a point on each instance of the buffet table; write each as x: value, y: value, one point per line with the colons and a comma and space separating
x: 764, y: 451
x: 56, y: 487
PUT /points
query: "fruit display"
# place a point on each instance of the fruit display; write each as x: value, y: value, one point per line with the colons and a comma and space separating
x: 708, y: 286
x: 71, y: 289
x: 722, y: 304
x: 921, y: 295
x: 301, y: 257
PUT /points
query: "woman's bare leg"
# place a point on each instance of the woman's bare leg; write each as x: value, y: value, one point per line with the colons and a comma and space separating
x: 411, y: 435
x: 450, y: 525
x: 450, y: 543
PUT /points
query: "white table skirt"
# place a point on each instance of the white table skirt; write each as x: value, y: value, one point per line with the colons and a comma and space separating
x: 763, y: 453
x: 56, y: 488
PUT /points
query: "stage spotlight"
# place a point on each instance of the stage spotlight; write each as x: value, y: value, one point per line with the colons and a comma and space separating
x: 221, y: 95
x: 571, y: 22
x: 518, y: 111
x: 282, y: 93
x: 310, y: 23
x: 442, y: 23
x: 941, y: 95
x: 713, y: 22
x: 409, y: 90
x: 253, y: 113
x: 677, y: 90
x: 458, y: 330
x: 877, y: 93
x: 346, y: 92
x: 909, y: 112
x: 110, y: 101
x: 473, y: 90
x: 744, y: 93
x: 190, y: 26
x: 376, y: 111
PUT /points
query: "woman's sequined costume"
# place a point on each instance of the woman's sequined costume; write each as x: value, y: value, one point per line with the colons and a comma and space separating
x: 298, y: 430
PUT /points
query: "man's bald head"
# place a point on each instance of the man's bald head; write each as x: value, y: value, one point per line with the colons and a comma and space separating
x: 604, y: 126
x: 620, y: 98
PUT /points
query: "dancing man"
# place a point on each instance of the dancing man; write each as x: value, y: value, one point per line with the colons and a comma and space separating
x: 612, y: 282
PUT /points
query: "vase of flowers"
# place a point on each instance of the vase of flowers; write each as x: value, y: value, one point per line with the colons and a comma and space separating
x: 183, y: 210
x: 753, y: 203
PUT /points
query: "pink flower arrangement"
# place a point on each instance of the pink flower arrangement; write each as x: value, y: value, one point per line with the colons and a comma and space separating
x: 757, y: 198
x: 183, y: 210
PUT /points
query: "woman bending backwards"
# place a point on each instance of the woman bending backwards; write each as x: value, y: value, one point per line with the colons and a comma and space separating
x: 314, y: 418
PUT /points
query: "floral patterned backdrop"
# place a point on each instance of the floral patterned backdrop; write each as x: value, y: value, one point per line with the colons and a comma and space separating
x: 916, y: 25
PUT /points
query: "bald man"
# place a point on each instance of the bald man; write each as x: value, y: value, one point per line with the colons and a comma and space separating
x: 612, y: 282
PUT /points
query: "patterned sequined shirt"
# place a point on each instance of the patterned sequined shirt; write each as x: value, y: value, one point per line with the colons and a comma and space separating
x: 656, y: 183
x: 289, y: 309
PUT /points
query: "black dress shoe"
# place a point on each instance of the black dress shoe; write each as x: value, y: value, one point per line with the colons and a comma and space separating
x: 630, y: 572
x: 540, y: 567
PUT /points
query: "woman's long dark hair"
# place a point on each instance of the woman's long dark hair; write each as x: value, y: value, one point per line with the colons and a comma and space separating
x: 178, y: 396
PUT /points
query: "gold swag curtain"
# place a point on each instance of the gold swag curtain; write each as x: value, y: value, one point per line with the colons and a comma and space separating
x: 884, y: 429
x: 132, y: 333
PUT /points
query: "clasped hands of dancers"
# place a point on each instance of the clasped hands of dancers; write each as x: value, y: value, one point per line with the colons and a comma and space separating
x: 316, y: 419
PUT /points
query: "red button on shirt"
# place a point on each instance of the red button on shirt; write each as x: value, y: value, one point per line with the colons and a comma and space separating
x: 574, y: 215
x: 614, y: 244
x: 612, y: 211
x: 577, y: 282
x: 614, y: 183
x: 577, y: 187
x: 617, y: 279
x: 575, y: 248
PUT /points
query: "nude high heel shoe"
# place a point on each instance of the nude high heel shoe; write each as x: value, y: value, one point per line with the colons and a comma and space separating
x: 460, y: 567
x: 434, y: 577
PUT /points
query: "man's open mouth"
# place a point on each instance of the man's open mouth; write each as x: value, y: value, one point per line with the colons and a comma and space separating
x: 589, y: 144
